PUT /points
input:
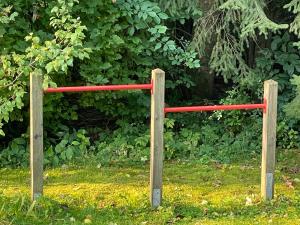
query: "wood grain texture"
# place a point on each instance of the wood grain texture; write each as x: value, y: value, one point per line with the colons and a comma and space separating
x: 269, y: 140
x: 36, y: 135
x: 157, y: 136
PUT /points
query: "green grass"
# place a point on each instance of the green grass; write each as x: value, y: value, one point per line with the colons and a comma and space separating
x: 193, y: 194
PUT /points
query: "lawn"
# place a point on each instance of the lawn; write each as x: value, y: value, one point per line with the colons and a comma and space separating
x: 194, y: 193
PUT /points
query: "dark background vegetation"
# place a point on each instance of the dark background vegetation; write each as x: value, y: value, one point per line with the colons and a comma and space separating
x: 213, y: 52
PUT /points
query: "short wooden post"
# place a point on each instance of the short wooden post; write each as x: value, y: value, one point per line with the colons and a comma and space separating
x: 269, y: 139
x: 157, y: 133
x: 36, y: 134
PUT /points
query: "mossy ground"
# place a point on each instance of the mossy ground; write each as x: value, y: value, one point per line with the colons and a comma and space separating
x: 193, y: 194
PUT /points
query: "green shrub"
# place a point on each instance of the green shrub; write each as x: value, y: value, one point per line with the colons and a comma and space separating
x: 66, y: 147
x: 293, y: 108
x: 86, y: 43
x: 71, y: 146
x: 16, y: 154
x: 287, y: 136
x: 75, y: 42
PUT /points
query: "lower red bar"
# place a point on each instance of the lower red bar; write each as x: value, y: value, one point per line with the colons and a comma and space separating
x: 99, y: 88
x: 214, y: 108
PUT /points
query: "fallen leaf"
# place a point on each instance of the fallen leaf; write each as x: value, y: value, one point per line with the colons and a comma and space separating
x: 215, y: 214
x: 217, y: 183
x: 204, y: 202
x: 87, y: 221
x: 248, y: 201
x: 46, y: 176
x: 101, y: 205
x: 288, y: 182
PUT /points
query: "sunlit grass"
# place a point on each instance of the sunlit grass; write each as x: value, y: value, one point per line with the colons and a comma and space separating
x: 193, y: 194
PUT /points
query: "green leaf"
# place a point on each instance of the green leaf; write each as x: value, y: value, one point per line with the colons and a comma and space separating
x: 2, y: 132
x: 75, y: 143
x: 49, y: 67
x: 162, y: 29
x: 157, y: 46
x: 69, y: 153
x: 131, y: 31
x: 117, y: 40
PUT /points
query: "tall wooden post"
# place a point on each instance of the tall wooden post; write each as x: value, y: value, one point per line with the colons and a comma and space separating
x: 36, y: 134
x: 157, y: 133
x: 269, y: 139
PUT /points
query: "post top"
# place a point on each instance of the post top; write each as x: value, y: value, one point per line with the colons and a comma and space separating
x: 158, y: 71
x: 36, y: 73
x: 271, y: 82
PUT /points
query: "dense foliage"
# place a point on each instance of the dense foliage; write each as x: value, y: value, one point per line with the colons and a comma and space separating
x: 247, y: 47
x: 72, y: 42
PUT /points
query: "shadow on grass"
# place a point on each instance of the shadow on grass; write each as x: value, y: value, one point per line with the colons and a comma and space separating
x: 19, y: 210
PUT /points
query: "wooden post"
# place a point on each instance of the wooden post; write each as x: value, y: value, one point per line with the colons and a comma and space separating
x: 269, y: 140
x: 36, y: 134
x: 157, y: 133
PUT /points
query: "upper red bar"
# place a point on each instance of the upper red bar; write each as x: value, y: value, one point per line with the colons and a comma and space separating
x: 99, y: 88
x: 214, y: 108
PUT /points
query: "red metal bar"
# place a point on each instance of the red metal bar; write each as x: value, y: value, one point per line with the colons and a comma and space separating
x: 99, y: 88
x: 214, y: 108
